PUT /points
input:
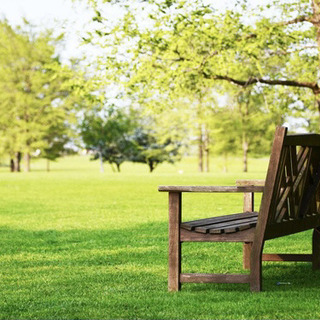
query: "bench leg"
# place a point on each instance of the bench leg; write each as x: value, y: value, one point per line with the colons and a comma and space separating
x: 256, y: 267
x: 174, y: 241
x: 256, y: 276
x: 316, y: 249
x: 248, y: 206
x: 247, y: 246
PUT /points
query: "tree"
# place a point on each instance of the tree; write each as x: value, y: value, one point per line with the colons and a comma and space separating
x: 107, y: 135
x: 56, y: 139
x: 255, y: 123
x: 152, y: 151
x: 180, y: 40
x: 244, y: 123
x: 116, y: 136
x: 33, y: 92
x: 225, y: 141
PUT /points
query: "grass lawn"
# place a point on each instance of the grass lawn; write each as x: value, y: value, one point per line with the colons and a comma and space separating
x: 78, y: 244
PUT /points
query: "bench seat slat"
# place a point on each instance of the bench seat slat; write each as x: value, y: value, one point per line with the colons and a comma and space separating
x: 223, y: 224
x: 191, y: 225
x: 239, y: 227
x: 228, y: 227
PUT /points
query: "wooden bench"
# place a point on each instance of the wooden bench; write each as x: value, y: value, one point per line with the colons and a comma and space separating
x: 290, y: 204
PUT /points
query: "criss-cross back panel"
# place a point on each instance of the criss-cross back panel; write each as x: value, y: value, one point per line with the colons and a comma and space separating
x: 296, y: 189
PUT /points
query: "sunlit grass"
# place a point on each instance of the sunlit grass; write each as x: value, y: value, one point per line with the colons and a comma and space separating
x: 78, y: 244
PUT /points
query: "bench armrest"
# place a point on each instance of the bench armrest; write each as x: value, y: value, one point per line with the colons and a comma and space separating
x: 212, y: 189
x: 247, y: 182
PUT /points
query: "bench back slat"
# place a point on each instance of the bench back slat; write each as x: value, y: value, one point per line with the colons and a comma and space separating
x: 292, y: 190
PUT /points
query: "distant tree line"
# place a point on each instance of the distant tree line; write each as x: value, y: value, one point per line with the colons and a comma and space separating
x: 115, y: 137
x: 35, y: 110
x: 48, y: 108
x: 192, y: 76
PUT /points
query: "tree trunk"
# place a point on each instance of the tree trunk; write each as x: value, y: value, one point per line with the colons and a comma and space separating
x: 17, y: 162
x: 200, y: 154
x: 12, y: 165
x: 151, y: 166
x: 27, y: 162
x: 101, y: 162
x: 245, y: 124
x: 118, y: 167
x: 207, y: 163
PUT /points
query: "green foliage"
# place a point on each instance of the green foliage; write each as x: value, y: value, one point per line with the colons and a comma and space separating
x: 225, y: 141
x: 153, y: 150
x: 115, y: 137
x: 108, y: 135
x: 182, y: 47
x: 34, y: 114
x: 56, y: 139
x: 186, y: 56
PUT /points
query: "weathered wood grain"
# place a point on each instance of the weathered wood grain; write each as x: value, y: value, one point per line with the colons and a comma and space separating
x: 240, y: 236
x: 214, y: 278
x: 248, y: 206
x: 174, y: 259
x: 247, y: 247
x: 250, y: 182
x: 266, y: 205
x: 191, y: 225
x: 311, y: 140
x: 277, y: 230
x: 227, y: 226
x: 219, y: 189
x: 289, y: 257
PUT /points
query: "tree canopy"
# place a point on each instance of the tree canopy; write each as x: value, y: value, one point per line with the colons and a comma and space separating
x: 168, y: 51
x: 220, y: 78
x: 34, y: 88
x: 182, y: 45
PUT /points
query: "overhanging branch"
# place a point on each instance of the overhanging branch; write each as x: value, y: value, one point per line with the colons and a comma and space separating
x: 297, y: 20
x: 250, y: 81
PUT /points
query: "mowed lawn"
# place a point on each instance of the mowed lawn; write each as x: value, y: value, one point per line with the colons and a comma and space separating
x: 78, y: 244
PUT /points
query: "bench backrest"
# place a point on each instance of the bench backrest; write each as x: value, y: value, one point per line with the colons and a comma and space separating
x: 291, y: 198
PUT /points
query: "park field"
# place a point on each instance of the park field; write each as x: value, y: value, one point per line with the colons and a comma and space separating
x: 79, y: 244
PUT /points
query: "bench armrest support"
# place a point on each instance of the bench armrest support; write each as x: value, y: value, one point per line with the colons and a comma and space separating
x: 248, y: 197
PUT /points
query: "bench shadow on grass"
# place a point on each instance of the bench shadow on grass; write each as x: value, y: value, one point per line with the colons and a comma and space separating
x: 128, y: 259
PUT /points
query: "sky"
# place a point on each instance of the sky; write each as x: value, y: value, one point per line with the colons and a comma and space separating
x: 39, y: 11
x: 60, y: 15
x: 46, y: 11
x: 70, y: 17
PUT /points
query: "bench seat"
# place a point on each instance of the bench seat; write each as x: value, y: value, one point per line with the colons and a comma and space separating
x: 224, y: 224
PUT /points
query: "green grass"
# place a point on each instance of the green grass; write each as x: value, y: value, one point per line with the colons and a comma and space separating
x: 77, y: 244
